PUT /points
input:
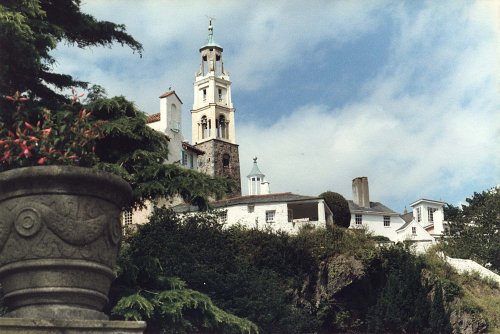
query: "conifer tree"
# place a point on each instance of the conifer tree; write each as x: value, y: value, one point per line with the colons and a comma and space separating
x: 438, y: 318
x: 339, y: 206
x: 29, y: 31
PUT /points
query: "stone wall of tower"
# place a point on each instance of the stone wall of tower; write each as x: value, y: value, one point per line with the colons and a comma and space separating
x: 212, y: 162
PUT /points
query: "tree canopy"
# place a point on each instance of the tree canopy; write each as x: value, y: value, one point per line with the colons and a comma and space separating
x: 31, y: 29
x: 339, y: 206
x: 474, y: 228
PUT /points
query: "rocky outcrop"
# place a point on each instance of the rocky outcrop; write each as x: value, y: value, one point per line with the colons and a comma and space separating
x: 336, y: 274
x: 467, y: 323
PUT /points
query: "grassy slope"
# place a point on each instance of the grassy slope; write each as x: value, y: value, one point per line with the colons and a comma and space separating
x: 478, y: 296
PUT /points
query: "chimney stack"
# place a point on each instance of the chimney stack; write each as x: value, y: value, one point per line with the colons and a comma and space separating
x: 360, y: 192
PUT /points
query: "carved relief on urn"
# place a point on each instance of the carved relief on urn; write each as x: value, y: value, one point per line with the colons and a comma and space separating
x: 60, y: 231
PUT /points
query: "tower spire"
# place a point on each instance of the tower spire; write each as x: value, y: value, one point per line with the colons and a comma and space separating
x: 210, y: 39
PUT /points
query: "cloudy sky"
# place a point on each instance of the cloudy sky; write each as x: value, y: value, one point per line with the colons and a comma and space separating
x: 405, y: 93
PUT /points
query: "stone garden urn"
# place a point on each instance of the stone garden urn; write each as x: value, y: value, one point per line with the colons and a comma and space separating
x: 60, y: 232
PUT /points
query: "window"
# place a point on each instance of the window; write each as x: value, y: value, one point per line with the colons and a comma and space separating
x: 225, y: 160
x: 419, y: 215
x: 387, y: 221
x: 220, y: 95
x: 184, y: 158
x: 358, y: 219
x: 191, y: 161
x: 430, y: 213
x: 127, y: 217
x: 413, y: 230
x: 204, y: 127
x: 270, y: 216
x: 251, y: 208
x: 290, y: 215
x: 204, y: 95
x: 222, y: 127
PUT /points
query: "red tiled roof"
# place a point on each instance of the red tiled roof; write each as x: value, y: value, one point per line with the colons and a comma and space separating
x: 153, y: 118
x: 168, y: 93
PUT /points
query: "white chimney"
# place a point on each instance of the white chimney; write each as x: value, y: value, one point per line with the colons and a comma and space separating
x: 360, y: 192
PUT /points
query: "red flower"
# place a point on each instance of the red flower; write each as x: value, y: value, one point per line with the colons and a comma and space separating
x: 28, y: 125
x: 26, y: 150
x: 41, y: 161
x: 5, y: 156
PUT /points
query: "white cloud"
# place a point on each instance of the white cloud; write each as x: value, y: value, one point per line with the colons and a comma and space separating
x: 426, y: 126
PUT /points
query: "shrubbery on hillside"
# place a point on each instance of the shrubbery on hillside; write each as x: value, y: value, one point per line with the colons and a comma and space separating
x: 319, y: 281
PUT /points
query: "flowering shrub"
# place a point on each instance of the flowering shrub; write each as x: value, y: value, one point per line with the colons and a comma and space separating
x: 30, y: 137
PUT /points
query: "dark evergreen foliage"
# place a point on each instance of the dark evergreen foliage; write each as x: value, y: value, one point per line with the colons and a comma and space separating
x: 339, y: 206
x: 261, y: 275
x: 402, y: 305
x: 438, y: 319
x: 474, y: 229
x: 31, y: 29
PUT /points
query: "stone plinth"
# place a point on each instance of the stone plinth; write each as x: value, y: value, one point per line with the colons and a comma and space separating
x: 39, y: 326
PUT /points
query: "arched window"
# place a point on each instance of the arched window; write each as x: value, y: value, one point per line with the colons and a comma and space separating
x: 222, y: 127
x: 204, y: 127
x: 225, y: 160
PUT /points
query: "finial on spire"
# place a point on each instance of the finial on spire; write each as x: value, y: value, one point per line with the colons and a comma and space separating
x: 255, y: 160
x: 210, y: 27
x: 210, y: 39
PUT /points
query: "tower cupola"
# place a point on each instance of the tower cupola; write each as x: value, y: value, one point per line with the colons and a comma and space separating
x: 211, y: 56
x: 257, y: 184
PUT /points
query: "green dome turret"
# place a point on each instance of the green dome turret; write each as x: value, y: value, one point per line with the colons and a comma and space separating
x: 211, y: 43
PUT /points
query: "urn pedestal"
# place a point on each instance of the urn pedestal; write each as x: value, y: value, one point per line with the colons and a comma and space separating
x: 60, y: 232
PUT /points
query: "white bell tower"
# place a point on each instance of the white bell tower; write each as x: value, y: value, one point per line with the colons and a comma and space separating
x: 213, y: 112
x: 212, y: 117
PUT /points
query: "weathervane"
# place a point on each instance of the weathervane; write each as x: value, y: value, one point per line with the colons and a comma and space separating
x: 210, y: 18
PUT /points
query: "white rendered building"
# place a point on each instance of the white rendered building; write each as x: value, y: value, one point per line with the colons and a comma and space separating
x: 380, y: 220
x: 169, y: 122
x: 430, y: 215
x: 261, y: 209
x: 280, y: 211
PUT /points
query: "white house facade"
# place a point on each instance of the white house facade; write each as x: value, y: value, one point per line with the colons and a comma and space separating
x: 382, y: 221
x: 430, y: 215
x: 279, y: 211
